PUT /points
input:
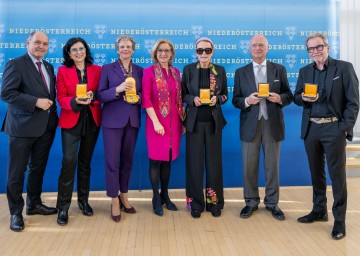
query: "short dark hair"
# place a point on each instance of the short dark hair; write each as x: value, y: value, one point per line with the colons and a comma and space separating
x: 66, y: 52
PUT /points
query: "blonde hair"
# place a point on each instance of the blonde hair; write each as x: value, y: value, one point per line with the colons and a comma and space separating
x: 156, y: 46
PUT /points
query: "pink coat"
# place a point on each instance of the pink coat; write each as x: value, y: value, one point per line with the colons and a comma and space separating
x: 159, y: 145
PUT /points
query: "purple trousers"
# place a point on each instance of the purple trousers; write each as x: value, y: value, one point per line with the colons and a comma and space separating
x: 119, y: 145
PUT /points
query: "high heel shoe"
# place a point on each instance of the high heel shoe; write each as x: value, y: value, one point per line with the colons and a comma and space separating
x: 115, y: 218
x: 127, y: 210
x: 159, y: 211
x: 157, y: 206
x: 169, y: 205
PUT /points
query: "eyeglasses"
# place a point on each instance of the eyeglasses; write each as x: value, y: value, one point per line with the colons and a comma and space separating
x: 319, y: 48
x: 202, y: 50
x: 166, y: 51
x: 257, y: 45
x: 76, y: 50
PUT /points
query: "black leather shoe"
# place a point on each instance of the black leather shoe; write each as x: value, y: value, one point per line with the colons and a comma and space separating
x: 17, y: 222
x: 337, y: 235
x: 338, y: 231
x: 276, y: 212
x: 41, y: 209
x: 86, y: 209
x: 314, y: 216
x: 195, y: 213
x: 247, y: 211
x: 63, y: 218
x: 215, y: 212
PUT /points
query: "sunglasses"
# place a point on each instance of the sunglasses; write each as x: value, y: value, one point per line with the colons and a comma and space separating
x: 202, y: 50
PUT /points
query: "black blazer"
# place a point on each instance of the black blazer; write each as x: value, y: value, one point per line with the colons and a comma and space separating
x: 21, y: 87
x: 342, y: 94
x: 190, y: 89
x: 245, y: 85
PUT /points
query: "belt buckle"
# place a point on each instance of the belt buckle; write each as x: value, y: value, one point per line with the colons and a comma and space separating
x: 323, y: 120
x: 316, y: 120
x: 330, y: 119
x: 327, y: 120
x: 319, y: 120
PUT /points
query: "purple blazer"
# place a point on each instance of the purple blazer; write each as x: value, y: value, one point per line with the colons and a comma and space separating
x: 116, y: 112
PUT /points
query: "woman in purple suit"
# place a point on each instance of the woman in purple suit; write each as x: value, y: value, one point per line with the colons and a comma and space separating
x: 163, y: 103
x: 120, y: 123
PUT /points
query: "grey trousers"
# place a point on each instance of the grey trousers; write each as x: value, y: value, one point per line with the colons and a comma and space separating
x: 250, y: 158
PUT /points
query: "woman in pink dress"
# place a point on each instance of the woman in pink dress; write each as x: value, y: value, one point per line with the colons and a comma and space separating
x: 161, y: 97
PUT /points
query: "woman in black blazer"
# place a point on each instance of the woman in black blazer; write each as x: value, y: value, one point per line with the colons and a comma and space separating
x: 204, y: 122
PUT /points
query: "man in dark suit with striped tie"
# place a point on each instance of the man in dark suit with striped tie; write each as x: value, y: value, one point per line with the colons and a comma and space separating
x: 28, y: 88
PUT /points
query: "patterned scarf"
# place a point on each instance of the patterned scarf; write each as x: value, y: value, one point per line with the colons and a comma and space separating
x: 213, y: 86
x: 164, y: 94
x: 213, y: 73
x: 126, y: 73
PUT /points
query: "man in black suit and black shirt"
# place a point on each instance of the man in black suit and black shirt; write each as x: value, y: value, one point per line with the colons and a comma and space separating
x: 327, y: 121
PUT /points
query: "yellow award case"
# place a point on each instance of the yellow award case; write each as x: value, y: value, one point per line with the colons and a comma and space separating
x: 310, y: 90
x: 81, y: 90
x: 263, y: 90
x: 205, y: 96
x: 130, y: 96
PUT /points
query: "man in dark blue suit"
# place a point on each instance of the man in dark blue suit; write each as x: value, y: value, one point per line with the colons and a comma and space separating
x: 28, y: 88
x: 261, y: 124
x: 327, y: 121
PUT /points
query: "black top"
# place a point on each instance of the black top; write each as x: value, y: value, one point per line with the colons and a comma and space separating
x: 204, y: 111
x: 320, y: 107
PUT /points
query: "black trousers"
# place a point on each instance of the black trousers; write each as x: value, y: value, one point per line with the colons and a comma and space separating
x: 327, y: 142
x: 204, y: 143
x: 34, y: 153
x: 77, y: 151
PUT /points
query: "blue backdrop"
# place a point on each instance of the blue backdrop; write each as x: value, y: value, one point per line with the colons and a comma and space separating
x: 230, y: 24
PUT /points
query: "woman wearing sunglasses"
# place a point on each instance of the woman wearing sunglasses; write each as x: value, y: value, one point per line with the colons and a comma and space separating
x: 204, y: 90
x: 164, y: 108
x: 80, y: 118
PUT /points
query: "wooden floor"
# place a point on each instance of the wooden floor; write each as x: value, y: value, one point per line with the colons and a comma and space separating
x: 177, y: 233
